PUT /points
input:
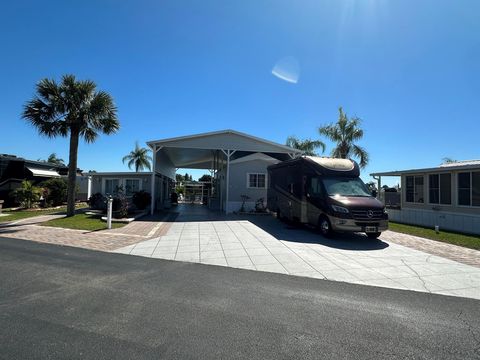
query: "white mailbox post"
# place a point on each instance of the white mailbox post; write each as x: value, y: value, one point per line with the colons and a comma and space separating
x: 109, y: 212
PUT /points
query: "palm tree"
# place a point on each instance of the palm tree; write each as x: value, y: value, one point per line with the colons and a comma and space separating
x: 71, y: 108
x: 345, y: 133
x: 307, y: 146
x: 52, y: 158
x: 138, y: 157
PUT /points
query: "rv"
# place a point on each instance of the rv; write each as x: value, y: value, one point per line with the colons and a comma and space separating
x: 327, y: 193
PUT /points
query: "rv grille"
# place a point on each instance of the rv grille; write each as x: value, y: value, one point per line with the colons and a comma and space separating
x: 367, y: 214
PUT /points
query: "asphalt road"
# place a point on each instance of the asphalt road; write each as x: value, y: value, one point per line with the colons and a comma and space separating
x: 66, y: 303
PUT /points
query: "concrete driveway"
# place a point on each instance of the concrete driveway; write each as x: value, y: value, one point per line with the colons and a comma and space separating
x: 263, y: 243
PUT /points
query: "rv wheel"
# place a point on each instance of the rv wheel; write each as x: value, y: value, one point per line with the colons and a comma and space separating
x: 324, y: 226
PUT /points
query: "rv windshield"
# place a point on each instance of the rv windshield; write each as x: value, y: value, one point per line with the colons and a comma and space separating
x: 344, y: 186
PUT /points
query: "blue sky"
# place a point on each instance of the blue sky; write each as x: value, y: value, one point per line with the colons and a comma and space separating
x: 409, y: 69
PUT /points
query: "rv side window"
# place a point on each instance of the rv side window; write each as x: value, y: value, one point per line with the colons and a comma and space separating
x: 315, y: 188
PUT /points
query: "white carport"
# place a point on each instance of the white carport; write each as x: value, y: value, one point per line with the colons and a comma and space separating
x: 211, y: 151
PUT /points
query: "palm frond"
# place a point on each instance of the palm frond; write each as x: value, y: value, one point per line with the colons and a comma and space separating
x: 345, y: 133
x: 361, y: 154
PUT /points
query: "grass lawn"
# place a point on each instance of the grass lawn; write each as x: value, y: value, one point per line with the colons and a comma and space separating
x: 81, y: 222
x: 24, y: 214
x: 469, y: 241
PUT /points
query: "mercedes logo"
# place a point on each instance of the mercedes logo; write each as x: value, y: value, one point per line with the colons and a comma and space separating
x: 370, y: 213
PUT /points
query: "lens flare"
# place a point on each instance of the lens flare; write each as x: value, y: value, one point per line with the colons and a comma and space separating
x: 287, y: 69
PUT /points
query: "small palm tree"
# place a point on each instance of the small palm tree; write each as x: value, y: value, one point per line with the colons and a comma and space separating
x: 345, y: 133
x: 138, y: 157
x: 307, y: 146
x: 27, y: 194
x: 52, y: 158
x: 71, y: 108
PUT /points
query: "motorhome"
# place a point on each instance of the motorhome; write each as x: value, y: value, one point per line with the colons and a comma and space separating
x: 327, y: 193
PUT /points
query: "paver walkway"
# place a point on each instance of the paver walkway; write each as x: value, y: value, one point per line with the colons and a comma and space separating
x: 105, y: 240
x: 265, y: 244
x: 449, y: 251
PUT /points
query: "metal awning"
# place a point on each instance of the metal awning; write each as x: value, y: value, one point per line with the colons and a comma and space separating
x: 198, y: 151
x: 43, y: 172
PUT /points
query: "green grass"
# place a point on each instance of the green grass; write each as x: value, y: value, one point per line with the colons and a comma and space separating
x: 81, y: 222
x: 14, y: 215
x: 469, y: 241
x: 24, y: 214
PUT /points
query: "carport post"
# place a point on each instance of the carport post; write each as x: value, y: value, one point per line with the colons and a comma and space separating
x: 227, y: 182
x: 154, y: 162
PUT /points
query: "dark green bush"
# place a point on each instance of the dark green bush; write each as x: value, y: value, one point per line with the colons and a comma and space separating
x: 120, y: 206
x: 141, y: 199
x: 57, y: 191
x: 97, y: 202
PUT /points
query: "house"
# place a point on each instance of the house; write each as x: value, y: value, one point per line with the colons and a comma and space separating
x: 109, y: 183
x: 447, y: 195
x: 237, y: 161
x: 13, y: 170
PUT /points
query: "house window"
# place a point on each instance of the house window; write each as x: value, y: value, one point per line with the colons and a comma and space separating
x: 111, y: 186
x: 440, y: 189
x: 469, y: 188
x: 256, y: 181
x: 415, y: 193
x: 131, y: 186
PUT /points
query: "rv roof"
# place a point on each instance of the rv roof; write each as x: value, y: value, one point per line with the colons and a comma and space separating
x: 333, y: 164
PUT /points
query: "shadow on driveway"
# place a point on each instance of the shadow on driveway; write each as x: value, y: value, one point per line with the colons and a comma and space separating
x: 280, y: 230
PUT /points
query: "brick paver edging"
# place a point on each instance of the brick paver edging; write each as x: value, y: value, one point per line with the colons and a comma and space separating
x: 453, y: 252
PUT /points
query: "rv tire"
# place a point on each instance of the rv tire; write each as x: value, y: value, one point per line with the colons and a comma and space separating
x: 324, y: 226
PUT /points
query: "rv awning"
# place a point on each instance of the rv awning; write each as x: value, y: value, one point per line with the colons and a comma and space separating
x: 43, y: 172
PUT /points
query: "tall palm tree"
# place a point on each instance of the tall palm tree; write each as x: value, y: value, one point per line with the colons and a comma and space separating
x: 345, y: 133
x: 52, y: 158
x: 71, y: 108
x: 307, y: 146
x: 138, y: 157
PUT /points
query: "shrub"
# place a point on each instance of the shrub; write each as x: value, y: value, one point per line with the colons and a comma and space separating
x: 97, y: 202
x: 27, y: 194
x: 120, y: 206
x: 141, y: 199
x: 57, y: 191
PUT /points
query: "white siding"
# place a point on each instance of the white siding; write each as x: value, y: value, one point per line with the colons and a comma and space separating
x: 429, y: 218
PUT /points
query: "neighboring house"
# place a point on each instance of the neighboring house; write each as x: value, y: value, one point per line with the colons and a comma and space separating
x: 109, y: 183
x: 13, y: 170
x: 82, y: 187
x: 447, y: 196
x: 238, y: 162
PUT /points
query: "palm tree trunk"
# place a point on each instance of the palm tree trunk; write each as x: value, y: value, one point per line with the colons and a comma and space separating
x: 72, y: 172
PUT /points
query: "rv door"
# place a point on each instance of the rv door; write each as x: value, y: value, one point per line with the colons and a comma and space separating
x: 315, y: 199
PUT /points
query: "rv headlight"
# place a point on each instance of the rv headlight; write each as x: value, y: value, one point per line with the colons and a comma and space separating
x: 340, y: 209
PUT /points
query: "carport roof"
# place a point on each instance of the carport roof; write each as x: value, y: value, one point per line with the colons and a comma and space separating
x: 216, y: 140
x: 196, y: 151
